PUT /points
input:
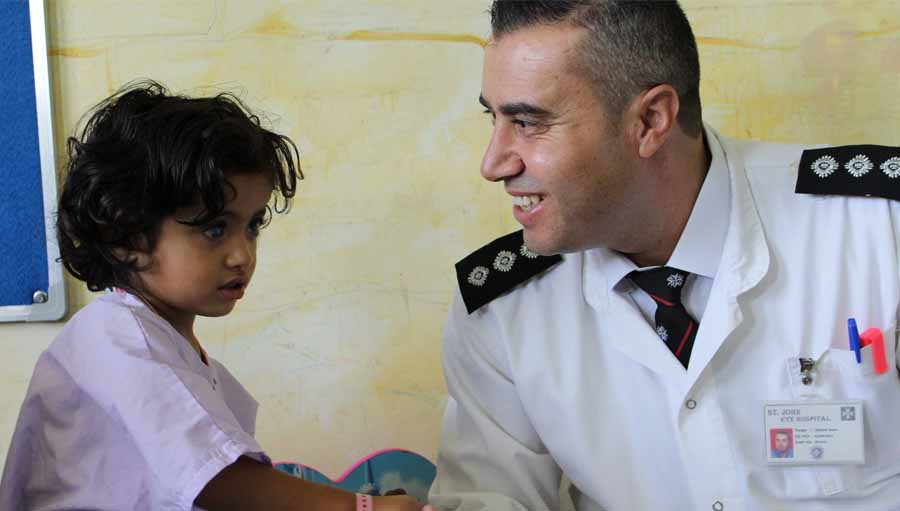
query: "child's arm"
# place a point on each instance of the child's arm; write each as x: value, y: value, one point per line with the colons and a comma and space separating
x: 248, y: 484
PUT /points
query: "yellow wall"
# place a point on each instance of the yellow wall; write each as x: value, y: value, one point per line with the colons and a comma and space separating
x: 338, y: 336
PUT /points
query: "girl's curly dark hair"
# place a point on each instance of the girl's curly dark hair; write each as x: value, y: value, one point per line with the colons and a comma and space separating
x: 142, y: 154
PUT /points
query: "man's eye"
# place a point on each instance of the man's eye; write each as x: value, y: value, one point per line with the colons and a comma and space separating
x: 522, y: 123
x: 215, y: 231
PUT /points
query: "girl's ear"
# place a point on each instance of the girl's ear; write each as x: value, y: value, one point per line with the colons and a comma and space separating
x: 139, y: 258
x: 142, y: 259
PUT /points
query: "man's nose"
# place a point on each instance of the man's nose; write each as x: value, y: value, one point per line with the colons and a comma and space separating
x: 500, y: 160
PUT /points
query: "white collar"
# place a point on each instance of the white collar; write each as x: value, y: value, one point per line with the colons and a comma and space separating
x: 699, y: 249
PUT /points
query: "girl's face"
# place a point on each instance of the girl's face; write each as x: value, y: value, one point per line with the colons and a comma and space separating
x: 203, y: 270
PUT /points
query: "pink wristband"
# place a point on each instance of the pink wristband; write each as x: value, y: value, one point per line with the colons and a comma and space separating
x: 364, y: 502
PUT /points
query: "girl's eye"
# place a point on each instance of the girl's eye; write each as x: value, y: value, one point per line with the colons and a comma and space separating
x: 215, y: 231
x: 257, y: 225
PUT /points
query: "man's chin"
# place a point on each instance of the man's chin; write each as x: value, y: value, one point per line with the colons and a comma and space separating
x: 544, y: 245
x: 541, y: 245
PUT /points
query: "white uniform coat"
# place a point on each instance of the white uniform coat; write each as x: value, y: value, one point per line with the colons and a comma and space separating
x: 121, y: 414
x: 564, y: 375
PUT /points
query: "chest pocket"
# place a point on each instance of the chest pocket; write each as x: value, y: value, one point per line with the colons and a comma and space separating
x: 837, y: 376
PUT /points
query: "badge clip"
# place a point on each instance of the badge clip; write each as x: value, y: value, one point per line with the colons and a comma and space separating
x: 806, y: 368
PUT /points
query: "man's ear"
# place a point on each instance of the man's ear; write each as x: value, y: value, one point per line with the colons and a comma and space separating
x: 653, y: 116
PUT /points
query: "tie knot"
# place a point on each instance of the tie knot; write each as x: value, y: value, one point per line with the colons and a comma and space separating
x: 663, y: 284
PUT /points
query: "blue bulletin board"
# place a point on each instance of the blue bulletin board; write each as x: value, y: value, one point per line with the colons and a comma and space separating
x: 31, y: 280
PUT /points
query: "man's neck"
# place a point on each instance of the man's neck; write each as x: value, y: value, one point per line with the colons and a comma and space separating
x: 673, y: 216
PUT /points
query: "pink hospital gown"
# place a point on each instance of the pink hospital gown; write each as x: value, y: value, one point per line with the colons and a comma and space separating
x: 122, y: 414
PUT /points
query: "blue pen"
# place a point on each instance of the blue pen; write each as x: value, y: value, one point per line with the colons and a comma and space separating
x: 854, y: 338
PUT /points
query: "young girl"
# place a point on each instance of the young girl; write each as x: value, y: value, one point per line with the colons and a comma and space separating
x: 164, y: 200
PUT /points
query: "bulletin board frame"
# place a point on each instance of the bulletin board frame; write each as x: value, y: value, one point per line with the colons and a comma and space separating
x: 48, y: 300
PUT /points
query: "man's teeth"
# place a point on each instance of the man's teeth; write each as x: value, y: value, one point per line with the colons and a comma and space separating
x: 526, y: 202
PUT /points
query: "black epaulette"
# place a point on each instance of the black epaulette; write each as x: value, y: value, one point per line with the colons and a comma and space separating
x: 865, y: 170
x: 498, y: 267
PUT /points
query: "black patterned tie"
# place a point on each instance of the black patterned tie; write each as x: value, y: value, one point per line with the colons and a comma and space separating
x: 673, y: 323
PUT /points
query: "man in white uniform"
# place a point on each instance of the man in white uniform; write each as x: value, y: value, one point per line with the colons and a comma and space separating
x: 700, y: 303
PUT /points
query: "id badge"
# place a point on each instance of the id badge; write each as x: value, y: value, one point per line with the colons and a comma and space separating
x: 814, y: 433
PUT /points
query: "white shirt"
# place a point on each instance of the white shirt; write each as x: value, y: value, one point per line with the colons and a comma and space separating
x: 121, y: 413
x: 698, y: 250
x: 562, y: 374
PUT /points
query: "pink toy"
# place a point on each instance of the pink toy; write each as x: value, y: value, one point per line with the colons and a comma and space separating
x: 873, y: 337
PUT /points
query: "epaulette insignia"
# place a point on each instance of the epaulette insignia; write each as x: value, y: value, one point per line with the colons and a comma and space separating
x: 498, y: 267
x: 865, y: 170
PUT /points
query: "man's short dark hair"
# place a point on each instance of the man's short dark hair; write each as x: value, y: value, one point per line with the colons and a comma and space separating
x: 631, y: 45
x: 144, y: 153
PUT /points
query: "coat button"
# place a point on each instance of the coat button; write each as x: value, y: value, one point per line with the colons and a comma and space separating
x: 690, y: 404
x: 718, y: 506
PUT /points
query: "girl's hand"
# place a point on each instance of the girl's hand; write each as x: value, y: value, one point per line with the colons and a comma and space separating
x: 249, y: 484
x: 399, y: 503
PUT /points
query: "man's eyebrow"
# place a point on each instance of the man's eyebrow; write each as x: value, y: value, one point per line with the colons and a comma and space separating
x: 514, y: 109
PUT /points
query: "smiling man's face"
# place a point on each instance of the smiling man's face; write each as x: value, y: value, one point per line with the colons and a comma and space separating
x: 553, y: 146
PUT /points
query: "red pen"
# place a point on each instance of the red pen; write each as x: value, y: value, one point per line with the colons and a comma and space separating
x: 873, y: 337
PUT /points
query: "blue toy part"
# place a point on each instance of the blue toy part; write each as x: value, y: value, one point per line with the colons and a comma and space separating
x: 376, y: 474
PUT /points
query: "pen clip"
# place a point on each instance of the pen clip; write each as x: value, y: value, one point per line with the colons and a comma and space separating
x: 853, y: 335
